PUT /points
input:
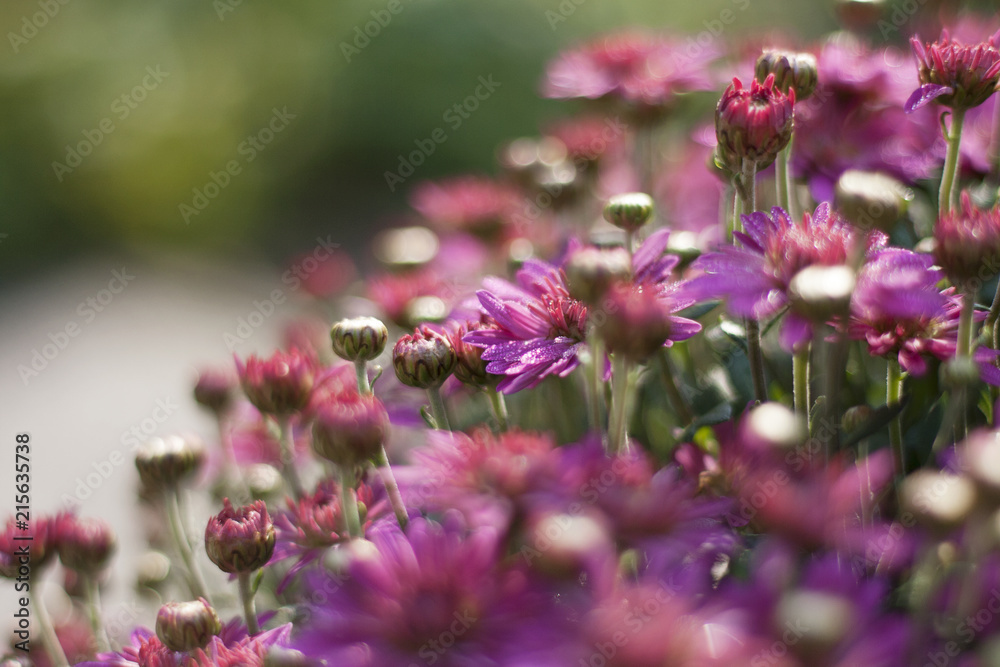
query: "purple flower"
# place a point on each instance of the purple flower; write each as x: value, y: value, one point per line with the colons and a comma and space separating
x: 438, y: 592
x: 754, y: 276
x: 898, y: 310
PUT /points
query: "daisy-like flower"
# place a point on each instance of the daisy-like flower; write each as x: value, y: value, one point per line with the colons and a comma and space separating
x: 898, y: 310
x: 232, y: 647
x: 957, y: 75
x: 754, y: 277
x: 643, y: 72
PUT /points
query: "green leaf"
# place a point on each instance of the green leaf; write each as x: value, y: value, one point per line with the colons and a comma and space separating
x: 699, y: 310
x: 425, y: 412
x: 720, y: 413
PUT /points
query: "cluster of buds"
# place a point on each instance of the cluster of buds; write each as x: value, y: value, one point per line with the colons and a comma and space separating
x: 279, y: 385
x: 423, y: 359
x: 242, y: 540
x: 753, y: 123
x: 359, y: 338
x: 350, y: 429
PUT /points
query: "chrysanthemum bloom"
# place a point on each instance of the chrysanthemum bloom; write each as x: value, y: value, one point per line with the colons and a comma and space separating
x: 639, y: 322
x: 959, y: 76
x: 240, y: 540
x: 641, y: 72
x: 42, y: 546
x: 423, y: 359
x: 753, y: 123
x: 436, y: 594
x: 754, y: 277
x: 968, y: 243
x: 898, y: 310
x: 279, y: 385
x: 349, y: 429
x: 472, y: 204
x: 232, y: 647
x: 85, y: 545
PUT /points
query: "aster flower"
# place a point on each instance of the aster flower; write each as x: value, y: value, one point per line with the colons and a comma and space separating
x: 473, y: 204
x: 644, y: 73
x: 279, y: 385
x: 755, y: 276
x: 232, y: 647
x: 898, y: 310
x: 957, y: 75
x: 436, y: 594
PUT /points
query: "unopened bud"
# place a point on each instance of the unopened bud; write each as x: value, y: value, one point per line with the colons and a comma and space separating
x: 186, y: 626
x: 359, y: 338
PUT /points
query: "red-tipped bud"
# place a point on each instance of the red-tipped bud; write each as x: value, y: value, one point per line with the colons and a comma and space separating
x: 240, y: 540
x: 85, y: 545
x: 350, y: 429
x: 186, y: 626
x: 423, y: 359
x: 959, y: 76
x: 753, y: 123
x: 279, y: 385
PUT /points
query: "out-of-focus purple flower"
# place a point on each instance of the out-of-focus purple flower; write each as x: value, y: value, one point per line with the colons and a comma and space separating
x: 898, y: 310
x: 957, y: 75
x: 588, y: 138
x: 232, y: 647
x: 43, y: 532
x: 215, y: 389
x: 754, y: 277
x: 753, y: 123
x: 642, y: 72
x: 279, y: 385
x: 540, y: 328
x: 438, y: 592
x: 323, y: 273
x: 642, y: 321
x: 968, y: 243
x: 473, y: 204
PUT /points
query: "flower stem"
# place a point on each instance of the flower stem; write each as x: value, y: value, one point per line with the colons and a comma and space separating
x: 246, y: 597
x: 438, y: 410
x: 499, y: 406
x: 288, y: 469
x: 195, y: 579
x: 361, y: 370
x: 49, y: 639
x: 667, y: 372
x: 93, y: 593
x: 800, y: 382
x: 747, y: 188
x: 618, y: 423
x: 783, y: 179
x: 893, y: 394
x: 392, y: 488
x: 595, y: 380
x: 349, y: 504
x: 964, y: 348
x: 643, y: 154
x: 948, y: 196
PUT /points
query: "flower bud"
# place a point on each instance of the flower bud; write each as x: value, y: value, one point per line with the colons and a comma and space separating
x: 637, y: 324
x: 279, y: 385
x: 753, y: 123
x: 563, y: 545
x: 280, y: 656
x: 359, y: 338
x: 590, y: 271
x: 820, y: 292
x: 957, y: 75
x: 240, y: 540
x: 214, y: 390
x: 980, y: 457
x: 871, y: 200
x: 629, y: 211
x: 939, y: 501
x: 471, y: 367
x: 791, y: 71
x: 85, y: 545
x: 165, y: 462
x: 423, y: 359
x: 350, y: 429
x: 855, y: 417
x: 186, y: 626
x: 968, y: 243
x: 153, y: 572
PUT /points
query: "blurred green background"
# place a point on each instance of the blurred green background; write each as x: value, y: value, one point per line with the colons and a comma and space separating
x: 75, y: 78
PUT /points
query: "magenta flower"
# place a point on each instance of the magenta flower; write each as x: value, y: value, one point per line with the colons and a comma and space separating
x: 471, y: 204
x: 753, y: 123
x: 754, y: 276
x: 968, y: 243
x: 641, y: 71
x: 279, y: 385
x: 898, y: 310
x: 960, y: 76
x: 240, y: 540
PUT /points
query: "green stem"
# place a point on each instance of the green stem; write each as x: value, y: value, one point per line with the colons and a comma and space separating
x: 948, y: 195
x: 893, y: 394
x: 595, y: 377
x: 195, y: 579
x: 499, y: 407
x: 667, y: 372
x: 618, y: 423
x: 93, y: 593
x: 782, y: 180
x: 392, y: 488
x: 800, y: 382
x: 361, y: 370
x: 438, y: 410
x: 964, y: 349
x: 49, y: 638
x: 288, y: 470
x: 349, y: 504
x: 747, y: 188
x: 246, y: 597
